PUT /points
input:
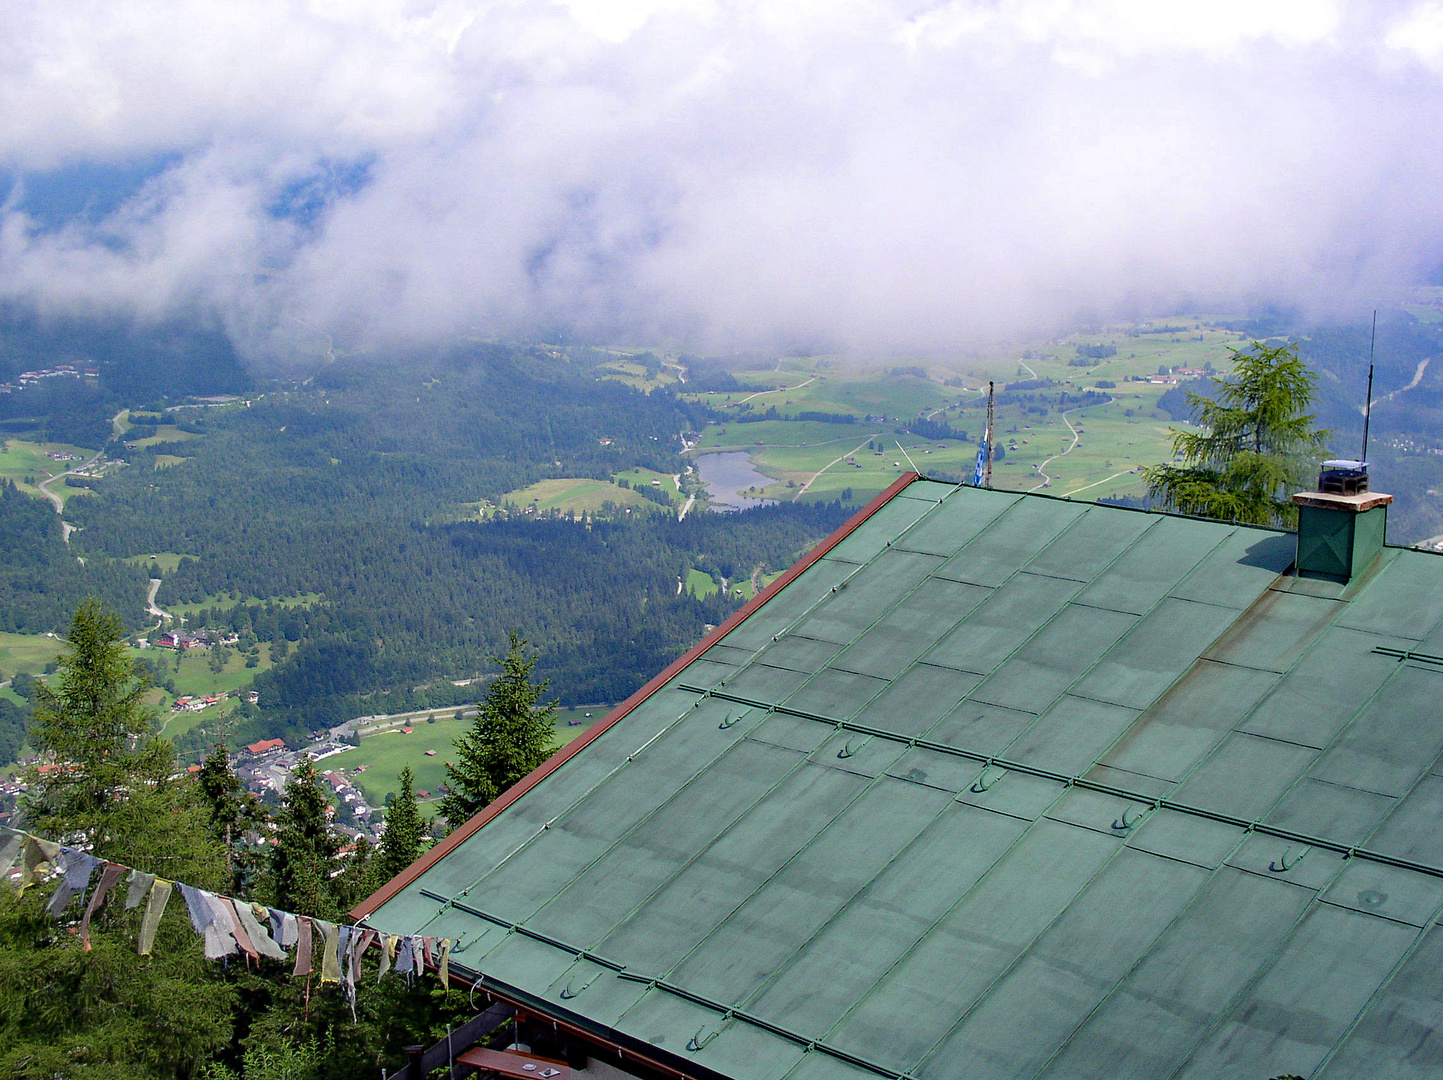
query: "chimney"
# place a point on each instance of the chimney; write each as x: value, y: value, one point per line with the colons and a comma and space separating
x: 1341, y: 525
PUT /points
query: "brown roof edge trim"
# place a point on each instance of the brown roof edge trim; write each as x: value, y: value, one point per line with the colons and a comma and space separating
x: 460, y: 835
x: 523, y: 1009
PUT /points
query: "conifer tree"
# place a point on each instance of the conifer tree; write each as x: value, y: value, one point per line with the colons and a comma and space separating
x: 1257, y: 445
x: 232, y: 814
x: 404, y: 833
x: 115, y: 790
x: 512, y: 734
x: 304, y: 856
x: 91, y: 723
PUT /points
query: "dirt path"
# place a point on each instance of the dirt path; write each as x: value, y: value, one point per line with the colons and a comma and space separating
x: 1042, y: 469
x: 59, y: 503
x: 778, y: 390
x: 44, y: 486
x: 829, y: 464
x: 1105, y: 479
x: 150, y: 607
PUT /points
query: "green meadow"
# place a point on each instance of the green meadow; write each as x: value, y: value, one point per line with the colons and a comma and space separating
x: 1093, y: 451
x: 20, y: 459
x: 28, y: 653
x: 386, y: 753
x: 579, y: 496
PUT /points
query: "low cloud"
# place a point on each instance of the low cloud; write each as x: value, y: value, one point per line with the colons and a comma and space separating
x: 726, y: 175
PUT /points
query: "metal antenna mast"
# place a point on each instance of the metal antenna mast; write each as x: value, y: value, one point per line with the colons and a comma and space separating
x: 987, y: 468
x: 1368, y: 402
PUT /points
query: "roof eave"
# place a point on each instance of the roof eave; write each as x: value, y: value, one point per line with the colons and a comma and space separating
x: 460, y: 835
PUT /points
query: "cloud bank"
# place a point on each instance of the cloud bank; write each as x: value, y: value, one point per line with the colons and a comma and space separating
x: 868, y: 173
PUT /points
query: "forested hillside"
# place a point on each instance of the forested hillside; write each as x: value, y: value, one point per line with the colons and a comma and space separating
x: 341, y: 520
x: 41, y: 582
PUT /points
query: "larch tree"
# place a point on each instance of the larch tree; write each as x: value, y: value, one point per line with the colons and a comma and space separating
x: 512, y: 734
x: 112, y: 789
x: 1257, y: 443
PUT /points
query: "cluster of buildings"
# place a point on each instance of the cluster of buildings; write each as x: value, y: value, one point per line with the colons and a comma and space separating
x: 264, y: 768
x: 186, y: 703
x: 348, y: 796
x: 60, y: 371
x: 181, y: 640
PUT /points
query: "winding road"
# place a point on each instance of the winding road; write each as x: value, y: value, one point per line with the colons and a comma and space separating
x: 1417, y: 378
x: 150, y: 608
x: 777, y: 390
x: 44, y: 486
x: 1042, y: 469
x: 59, y: 503
x: 829, y: 464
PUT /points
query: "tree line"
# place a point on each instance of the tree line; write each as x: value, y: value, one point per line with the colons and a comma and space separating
x: 349, y: 497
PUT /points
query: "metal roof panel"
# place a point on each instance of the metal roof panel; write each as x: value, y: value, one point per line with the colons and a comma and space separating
x: 998, y: 786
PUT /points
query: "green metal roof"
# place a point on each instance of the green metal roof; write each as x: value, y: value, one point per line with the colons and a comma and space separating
x: 1001, y: 786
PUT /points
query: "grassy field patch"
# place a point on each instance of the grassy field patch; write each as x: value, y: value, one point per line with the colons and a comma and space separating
x: 195, y: 679
x: 701, y: 584
x: 650, y: 478
x: 166, y: 560
x: 386, y: 753
x: 28, y: 653
x: 165, y: 433
x: 20, y: 459
x: 225, y: 600
x: 581, y: 496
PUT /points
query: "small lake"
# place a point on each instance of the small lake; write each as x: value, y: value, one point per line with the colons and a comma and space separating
x: 727, y: 475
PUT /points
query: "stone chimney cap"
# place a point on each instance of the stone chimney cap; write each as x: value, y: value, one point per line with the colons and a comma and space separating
x: 1356, y: 504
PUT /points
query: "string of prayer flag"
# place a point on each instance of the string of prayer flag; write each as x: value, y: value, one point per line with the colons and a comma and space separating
x: 227, y: 926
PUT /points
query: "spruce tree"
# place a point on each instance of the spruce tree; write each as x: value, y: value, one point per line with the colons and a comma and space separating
x: 232, y: 814
x: 1257, y: 446
x: 404, y: 833
x: 512, y: 734
x: 305, y: 853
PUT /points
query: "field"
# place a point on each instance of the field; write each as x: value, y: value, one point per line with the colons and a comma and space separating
x: 165, y: 433
x: 649, y: 478
x: 20, y: 459
x: 386, y: 753
x: 1092, y: 451
x: 743, y: 590
x: 166, y: 560
x: 28, y: 653
x: 701, y: 584
x: 225, y: 600
x: 196, y: 679
x: 579, y: 496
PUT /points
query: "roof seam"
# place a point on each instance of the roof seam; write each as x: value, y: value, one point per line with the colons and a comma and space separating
x: 1077, y: 780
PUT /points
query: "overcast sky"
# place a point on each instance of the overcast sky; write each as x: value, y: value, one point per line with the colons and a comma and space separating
x: 866, y: 173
